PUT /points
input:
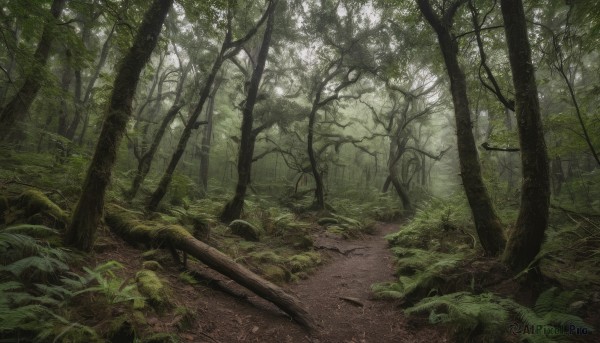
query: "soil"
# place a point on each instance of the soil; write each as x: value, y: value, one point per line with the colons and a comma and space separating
x: 338, y: 295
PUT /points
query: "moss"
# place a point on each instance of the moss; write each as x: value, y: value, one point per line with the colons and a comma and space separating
x: 299, y: 241
x: 184, y: 318
x: 169, y: 219
x: 150, y: 286
x: 304, y: 261
x: 135, y: 230
x: 245, y: 230
x: 188, y: 278
x: 267, y: 256
x: 121, y: 330
x: 35, y: 208
x: 150, y: 254
x: 162, y: 337
x: 151, y: 265
x: 276, y: 274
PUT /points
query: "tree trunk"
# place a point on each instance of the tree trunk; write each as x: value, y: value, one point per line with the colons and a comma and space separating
x: 207, y: 138
x: 176, y: 237
x: 146, y: 159
x: 487, y: 223
x: 83, y: 104
x: 65, y: 84
x: 88, y: 212
x: 319, y: 203
x: 18, y: 106
x: 525, y: 241
x: 233, y: 208
x: 163, y: 185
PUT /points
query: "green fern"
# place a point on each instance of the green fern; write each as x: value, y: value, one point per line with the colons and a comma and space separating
x: 425, y: 271
x: 465, y: 313
x: 488, y: 315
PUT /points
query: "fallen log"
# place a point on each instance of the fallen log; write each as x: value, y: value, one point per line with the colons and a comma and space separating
x: 133, y: 230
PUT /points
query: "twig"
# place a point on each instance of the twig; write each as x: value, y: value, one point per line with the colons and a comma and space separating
x: 353, y: 301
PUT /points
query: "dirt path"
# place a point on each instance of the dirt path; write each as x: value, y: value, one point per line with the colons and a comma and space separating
x: 353, y: 266
x: 339, y: 294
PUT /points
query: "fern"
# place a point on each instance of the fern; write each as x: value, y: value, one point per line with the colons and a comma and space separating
x: 488, y: 315
x: 465, y: 313
x: 39, y: 231
x: 35, y: 311
x: 41, y: 264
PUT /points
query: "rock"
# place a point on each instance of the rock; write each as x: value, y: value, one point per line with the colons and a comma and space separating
x: 245, y: 230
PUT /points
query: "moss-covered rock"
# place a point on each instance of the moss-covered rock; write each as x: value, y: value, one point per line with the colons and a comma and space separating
x: 304, y: 261
x: 245, y: 230
x: 150, y: 286
x: 299, y: 241
x: 267, y: 256
x: 276, y: 274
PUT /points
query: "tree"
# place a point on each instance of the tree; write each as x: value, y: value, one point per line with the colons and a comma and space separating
x: 18, y: 106
x: 487, y: 223
x: 407, y: 106
x: 234, y: 207
x: 228, y: 49
x: 526, y: 239
x: 86, y: 216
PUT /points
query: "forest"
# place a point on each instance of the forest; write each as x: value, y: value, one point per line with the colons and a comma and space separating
x: 342, y: 171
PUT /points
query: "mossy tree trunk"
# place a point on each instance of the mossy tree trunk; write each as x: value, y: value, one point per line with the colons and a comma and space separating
x: 179, y: 238
x: 487, y: 223
x: 525, y: 241
x: 18, y: 106
x: 86, y: 216
x: 233, y: 208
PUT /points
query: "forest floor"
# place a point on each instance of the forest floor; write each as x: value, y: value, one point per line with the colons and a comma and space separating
x: 338, y: 296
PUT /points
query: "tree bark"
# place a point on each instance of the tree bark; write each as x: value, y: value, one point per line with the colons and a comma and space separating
x: 86, y: 216
x: 163, y: 185
x: 525, y: 241
x: 18, y: 106
x: 207, y: 138
x: 228, y: 49
x: 319, y: 188
x: 178, y: 238
x: 233, y: 209
x: 82, y: 105
x: 146, y: 159
x: 487, y: 223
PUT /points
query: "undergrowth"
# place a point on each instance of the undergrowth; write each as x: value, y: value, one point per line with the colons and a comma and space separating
x: 42, y: 300
x: 440, y: 272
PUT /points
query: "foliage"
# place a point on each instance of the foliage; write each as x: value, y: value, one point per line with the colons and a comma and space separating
x: 487, y: 316
x: 39, y: 295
